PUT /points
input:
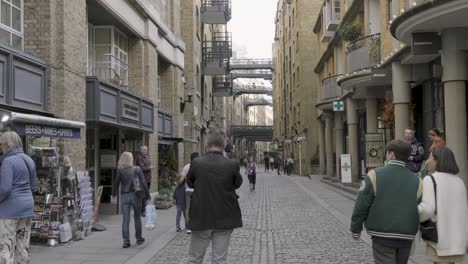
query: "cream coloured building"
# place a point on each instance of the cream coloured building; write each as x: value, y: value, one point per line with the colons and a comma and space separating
x: 294, y: 85
x: 395, y: 64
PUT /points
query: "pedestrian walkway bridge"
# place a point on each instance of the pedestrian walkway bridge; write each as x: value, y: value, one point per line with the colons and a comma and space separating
x: 251, y: 89
x: 255, y: 102
x: 252, y: 74
x: 252, y: 64
x: 252, y: 133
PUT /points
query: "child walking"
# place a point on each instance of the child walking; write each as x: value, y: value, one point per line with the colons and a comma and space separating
x: 179, y: 198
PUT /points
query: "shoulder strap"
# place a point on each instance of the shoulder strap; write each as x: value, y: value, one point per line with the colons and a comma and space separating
x: 435, y: 192
x: 27, y: 165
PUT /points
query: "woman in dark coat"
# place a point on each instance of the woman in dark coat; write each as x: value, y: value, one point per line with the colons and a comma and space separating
x: 126, y: 174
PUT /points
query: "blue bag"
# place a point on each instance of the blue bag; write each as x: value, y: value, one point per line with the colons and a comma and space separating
x: 151, y: 216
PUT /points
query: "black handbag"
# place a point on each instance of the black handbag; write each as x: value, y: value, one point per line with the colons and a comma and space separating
x: 137, y: 188
x: 429, y: 228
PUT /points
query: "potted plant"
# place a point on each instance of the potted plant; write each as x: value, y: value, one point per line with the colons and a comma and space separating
x: 350, y: 33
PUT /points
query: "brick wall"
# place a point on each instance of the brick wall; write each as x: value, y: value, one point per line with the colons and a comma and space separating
x: 57, y: 32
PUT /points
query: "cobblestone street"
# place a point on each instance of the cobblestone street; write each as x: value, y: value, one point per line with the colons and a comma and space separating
x: 285, y: 221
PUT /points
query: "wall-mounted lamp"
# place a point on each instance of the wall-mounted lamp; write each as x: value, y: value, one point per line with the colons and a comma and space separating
x: 183, y: 101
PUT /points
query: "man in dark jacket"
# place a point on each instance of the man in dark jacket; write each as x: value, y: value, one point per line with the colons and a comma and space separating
x: 144, y: 163
x: 416, y: 158
x: 391, y: 217
x: 214, y: 211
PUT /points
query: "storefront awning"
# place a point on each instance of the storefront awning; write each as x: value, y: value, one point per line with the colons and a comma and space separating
x: 188, y: 140
x: 42, y: 120
x: 169, y: 140
x: 36, y: 125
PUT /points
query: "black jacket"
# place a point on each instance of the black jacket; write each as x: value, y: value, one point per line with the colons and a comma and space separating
x: 125, y: 178
x: 416, y: 158
x: 214, y: 202
x: 179, y: 195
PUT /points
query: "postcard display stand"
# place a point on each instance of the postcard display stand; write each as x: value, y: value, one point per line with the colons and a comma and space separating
x: 86, y: 201
x: 61, y: 205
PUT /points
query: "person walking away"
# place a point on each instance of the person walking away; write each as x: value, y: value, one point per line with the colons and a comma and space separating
x: 387, y: 204
x: 289, y: 165
x: 444, y: 202
x: 17, y: 185
x: 188, y: 190
x: 434, y: 135
x: 252, y: 173
x: 271, y: 163
x: 266, y: 160
x: 179, y: 198
x: 214, y: 211
x: 416, y: 157
x: 436, y: 138
x: 126, y: 174
x: 143, y: 161
x: 278, y: 162
x: 246, y: 162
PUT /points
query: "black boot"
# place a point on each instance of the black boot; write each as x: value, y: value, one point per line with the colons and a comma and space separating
x: 126, y: 244
x: 140, y: 241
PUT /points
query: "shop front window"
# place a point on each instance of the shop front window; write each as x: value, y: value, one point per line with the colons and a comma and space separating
x: 11, y: 23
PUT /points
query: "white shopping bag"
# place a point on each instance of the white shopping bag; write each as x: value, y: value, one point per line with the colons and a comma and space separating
x: 150, y: 211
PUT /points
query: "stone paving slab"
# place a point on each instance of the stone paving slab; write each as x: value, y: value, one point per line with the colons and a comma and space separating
x: 282, y: 224
x: 106, y: 247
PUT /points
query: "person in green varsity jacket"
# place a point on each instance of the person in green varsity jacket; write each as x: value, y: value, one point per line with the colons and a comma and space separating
x: 387, y: 204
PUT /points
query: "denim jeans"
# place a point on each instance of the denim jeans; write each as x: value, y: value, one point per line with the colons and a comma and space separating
x: 130, y: 200
x: 180, y: 211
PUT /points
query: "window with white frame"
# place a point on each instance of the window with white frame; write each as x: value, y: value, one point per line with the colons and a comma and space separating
x: 11, y: 23
x: 110, y: 56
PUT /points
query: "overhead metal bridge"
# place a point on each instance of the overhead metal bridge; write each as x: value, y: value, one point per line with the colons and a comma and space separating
x: 251, y: 89
x: 252, y: 133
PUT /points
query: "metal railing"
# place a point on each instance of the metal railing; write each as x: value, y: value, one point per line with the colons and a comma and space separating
x: 243, y: 61
x: 330, y: 88
x: 219, y: 49
x: 222, y: 85
x: 220, y: 5
x: 363, y: 53
x: 115, y: 70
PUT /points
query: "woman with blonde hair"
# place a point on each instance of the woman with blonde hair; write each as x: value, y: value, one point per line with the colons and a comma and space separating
x: 17, y: 185
x: 444, y: 203
x: 127, y: 174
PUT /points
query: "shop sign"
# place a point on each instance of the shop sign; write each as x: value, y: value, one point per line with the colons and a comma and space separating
x: 46, y: 131
x: 345, y: 168
x: 130, y: 110
x: 109, y: 160
x: 425, y: 43
x: 338, y: 106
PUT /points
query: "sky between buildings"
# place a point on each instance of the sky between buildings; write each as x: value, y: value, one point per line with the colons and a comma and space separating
x: 253, y: 27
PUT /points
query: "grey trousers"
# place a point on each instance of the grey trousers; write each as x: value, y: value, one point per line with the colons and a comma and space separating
x: 201, y: 240
x: 188, y: 200
x: 388, y: 255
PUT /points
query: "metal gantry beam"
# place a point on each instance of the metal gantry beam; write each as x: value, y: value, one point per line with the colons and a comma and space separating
x: 252, y: 133
x: 255, y: 102
x: 252, y: 64
x: 252, y: 73
x: 251, y: 89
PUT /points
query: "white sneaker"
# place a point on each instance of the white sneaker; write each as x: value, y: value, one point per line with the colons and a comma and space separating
x: 189, y: 231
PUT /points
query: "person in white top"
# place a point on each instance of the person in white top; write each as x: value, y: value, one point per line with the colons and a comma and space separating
x: 188, y: 191
x: 451, y: 217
